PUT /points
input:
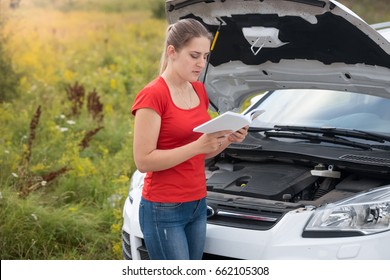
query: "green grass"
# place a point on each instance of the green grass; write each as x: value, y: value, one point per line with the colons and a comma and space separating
x: 77, y: 213
x: 39, y: 229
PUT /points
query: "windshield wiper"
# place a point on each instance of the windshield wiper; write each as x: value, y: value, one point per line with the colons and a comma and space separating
x: 315, y: 138
x: 333, y: 131
x: 259, y: 129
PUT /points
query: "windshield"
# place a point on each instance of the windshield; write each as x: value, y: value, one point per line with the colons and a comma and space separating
x: 324, y: 108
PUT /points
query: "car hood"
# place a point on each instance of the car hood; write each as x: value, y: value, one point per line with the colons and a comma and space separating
x: 274, y: 44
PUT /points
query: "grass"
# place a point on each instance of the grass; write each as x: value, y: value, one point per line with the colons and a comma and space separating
x: 43, y: 230
x: 65, y: 168
x: 65, y: 163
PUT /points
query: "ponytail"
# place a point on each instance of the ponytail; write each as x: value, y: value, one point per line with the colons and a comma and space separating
x: 164, y: 56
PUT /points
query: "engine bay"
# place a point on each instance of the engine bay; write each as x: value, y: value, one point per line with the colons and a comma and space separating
x: 287, y: 182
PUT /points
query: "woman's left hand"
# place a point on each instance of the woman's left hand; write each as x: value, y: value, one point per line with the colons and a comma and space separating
x: 239, y: 135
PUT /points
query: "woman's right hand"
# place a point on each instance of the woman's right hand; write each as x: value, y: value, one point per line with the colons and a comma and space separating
x: 212, y: 142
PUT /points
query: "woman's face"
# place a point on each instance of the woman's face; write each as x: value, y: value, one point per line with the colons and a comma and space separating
x: 189, y: 62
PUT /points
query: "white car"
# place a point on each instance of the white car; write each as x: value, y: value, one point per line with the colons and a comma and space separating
x: 312, y: 179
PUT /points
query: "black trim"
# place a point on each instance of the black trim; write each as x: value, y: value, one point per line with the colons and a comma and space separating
x: 188, y: 3
x: 315, y: 3
x: 330, y: 234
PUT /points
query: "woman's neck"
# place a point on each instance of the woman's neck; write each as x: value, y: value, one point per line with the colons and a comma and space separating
x: 174, y: 80
x: 181, y: 91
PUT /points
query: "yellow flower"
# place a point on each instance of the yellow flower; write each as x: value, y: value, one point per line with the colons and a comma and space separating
x: 117, y: 249
x: 38, y: 167
x: 121, y: 179
x: 69, y: 75
x: 118, y: 214
x: 113, y: 84
x: 115, y: 228
x: 80, y: 167
x: 108, y: 109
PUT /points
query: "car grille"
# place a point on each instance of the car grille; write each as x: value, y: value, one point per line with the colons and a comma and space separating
x: 144, y: 252
x: 126, y: 248
x: 242, y: 216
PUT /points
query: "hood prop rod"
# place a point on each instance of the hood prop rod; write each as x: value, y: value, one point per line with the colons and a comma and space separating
x: 208, y: 60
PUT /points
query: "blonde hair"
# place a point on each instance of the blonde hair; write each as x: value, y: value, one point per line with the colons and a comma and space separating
x: 179, y: 34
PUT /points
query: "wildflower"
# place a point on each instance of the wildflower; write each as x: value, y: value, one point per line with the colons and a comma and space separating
x: 63, y: 129
x: 71, y: 122
x: 68, y: 75
x: 116, y: 228
x: 117, y: 249
x: 34, y: 216
x: 6, y: 151
x: 15, y: 175
x: 33, y: 87
x: 114, y: 199
x: 121, y: 179
x: 38, y: 167
x: 62, y: 116
x: 43, y: 183
x: 113, y: 84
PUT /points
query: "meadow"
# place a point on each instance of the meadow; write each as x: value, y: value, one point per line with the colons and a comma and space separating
x: 70, y: 70
x: 66, y: 143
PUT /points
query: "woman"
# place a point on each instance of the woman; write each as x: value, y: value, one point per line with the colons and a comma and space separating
x: 172, y: 211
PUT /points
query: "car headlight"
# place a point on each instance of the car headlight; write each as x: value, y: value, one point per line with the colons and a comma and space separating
x: 364, y: 214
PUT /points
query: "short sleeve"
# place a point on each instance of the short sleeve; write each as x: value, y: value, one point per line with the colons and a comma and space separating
x: 152, y: 96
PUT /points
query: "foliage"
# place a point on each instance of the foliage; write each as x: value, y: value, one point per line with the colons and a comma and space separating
x: 66, y: 146
x: 36, y: 229
x: 9, y: 79
x: 158, y: 9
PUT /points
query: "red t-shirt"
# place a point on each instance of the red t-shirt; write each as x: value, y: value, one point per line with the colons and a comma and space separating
x: 186, y: 181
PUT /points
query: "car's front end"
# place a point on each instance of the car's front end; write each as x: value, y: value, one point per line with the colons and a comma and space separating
x: 312, y: 178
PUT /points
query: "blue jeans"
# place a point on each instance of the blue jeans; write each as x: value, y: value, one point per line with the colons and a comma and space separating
x: 173, y: 231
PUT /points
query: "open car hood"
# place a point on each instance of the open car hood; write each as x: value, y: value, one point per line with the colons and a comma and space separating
x: 278, y: 44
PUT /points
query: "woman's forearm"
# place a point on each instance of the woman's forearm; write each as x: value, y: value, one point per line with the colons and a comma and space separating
x: 158, y: 160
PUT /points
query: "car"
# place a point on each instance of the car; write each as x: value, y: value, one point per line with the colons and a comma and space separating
x: 311, y: 181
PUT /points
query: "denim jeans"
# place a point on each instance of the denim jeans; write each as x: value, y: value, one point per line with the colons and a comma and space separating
x: 173, y: 231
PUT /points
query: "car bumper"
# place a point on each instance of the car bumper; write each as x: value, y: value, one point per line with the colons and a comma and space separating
x: 282, y: 242
x: 285, y: 241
